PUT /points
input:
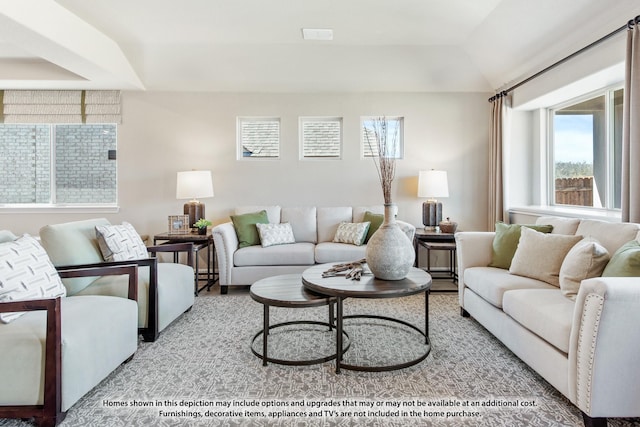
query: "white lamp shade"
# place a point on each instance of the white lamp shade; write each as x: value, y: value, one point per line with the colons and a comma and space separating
x: 194, y: 184
x: 433, y: 184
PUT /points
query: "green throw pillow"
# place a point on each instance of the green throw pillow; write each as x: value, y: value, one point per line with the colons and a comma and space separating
x: 375, y: 221
x: 625, y: 262
x: 246, y: 229
x: 506, y: 241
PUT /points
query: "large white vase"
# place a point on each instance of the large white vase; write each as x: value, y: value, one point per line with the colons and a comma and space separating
x: 390, y: 253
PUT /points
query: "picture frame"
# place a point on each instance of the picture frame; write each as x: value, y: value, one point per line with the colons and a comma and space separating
x: 179, y: 224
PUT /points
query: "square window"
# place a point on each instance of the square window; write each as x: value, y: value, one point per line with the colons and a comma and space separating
x: 385, y: 131
x: 258, y: 137
x: 321, y: 137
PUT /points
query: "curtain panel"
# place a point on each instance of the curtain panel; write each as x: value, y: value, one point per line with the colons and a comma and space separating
x: 496, y: 206
x: 631, y: 129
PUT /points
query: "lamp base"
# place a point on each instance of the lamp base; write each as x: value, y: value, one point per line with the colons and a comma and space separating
x: 431, y: 213
x: 195, y: 210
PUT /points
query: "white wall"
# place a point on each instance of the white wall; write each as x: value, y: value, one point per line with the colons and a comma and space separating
x: 166, y: 132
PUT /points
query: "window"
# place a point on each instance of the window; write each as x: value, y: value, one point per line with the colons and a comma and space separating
x: 585, y: 155
x: 258, y: 137
x: 321, y: 137
x: 391, y: 127
x: 43, y: 164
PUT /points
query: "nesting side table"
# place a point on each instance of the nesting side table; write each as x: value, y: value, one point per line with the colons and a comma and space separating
x: 437, y: 241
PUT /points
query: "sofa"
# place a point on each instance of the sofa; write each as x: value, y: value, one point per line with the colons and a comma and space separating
x: 582, y: 336
x: 314, y: 230
x: 61, y: 346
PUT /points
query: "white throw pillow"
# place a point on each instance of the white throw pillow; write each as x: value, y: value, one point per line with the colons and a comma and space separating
x: 585, y: 260
x: 275, y: 234
x: 120, y: 242
x: 26, y: 273
x: 352, y: 232
x: 540, y: 255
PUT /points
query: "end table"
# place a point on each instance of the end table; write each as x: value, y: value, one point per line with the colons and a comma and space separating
x: 433, y: 240
x: 200, y: 241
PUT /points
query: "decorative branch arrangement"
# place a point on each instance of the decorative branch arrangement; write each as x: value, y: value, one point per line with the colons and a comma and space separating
x: 355, y: 270
x: 382, y: 142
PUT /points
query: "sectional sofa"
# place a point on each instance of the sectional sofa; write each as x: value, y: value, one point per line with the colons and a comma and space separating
x: 314, y: 229
x: 583, y: 336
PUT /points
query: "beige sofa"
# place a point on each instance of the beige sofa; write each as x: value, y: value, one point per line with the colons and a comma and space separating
x: 586, y: 348
x: 314, y: 229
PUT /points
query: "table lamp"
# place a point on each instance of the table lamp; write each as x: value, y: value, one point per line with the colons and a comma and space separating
x: 191, y: 185
x: 432, y: 184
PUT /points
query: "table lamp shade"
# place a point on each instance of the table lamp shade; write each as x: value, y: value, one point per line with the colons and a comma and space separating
x: 432, y: 184
x: 192, y: 185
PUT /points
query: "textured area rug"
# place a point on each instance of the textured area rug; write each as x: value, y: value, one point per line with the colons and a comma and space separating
x: 201, y: 372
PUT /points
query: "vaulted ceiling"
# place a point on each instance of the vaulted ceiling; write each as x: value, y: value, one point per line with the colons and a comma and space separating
x: 257, y: 45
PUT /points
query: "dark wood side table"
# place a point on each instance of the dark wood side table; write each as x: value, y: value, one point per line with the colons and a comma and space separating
x: 437, y: 241
x: 200, y: 241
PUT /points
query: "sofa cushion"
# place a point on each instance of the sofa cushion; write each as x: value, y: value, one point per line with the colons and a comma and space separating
x: 376, y: 221
x: 303, y: 223
x: 338, y: 252
x: 491, y: 283
x: 245, y: 226
x: 560, y: 225
x: 73, y: 243
x: 585, y: 260
x: 625, y: 262
x: 120, y: 242
x: 328, y: 220
x: 26, y: 273
x: 293, y: 254
x: 275, y: 234
x: 99, y: 333
x: 505, y: 242
x: 545, y: 312
x: 540, y: 255
x: 353, y: 233
x: 273, y: 212
x: 610, y: 235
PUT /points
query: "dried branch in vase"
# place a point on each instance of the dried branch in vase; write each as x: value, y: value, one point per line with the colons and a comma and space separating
x: 383, y: 142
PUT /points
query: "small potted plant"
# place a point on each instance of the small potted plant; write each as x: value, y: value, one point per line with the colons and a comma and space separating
x: 202, y: 225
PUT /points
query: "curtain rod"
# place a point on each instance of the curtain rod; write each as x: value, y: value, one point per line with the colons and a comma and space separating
x: 629, y: 25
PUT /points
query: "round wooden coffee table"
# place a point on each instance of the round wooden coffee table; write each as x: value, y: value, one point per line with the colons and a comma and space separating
x: 417, y: 281
x: 287, y: 291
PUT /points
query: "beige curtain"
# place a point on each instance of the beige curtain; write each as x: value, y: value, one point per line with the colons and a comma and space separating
x: 631, y: 129
x: 496, y: 160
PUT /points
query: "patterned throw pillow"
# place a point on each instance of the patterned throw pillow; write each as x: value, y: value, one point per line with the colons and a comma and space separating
x: 26, y: 273
x: 275, y: 234
x: 120, y: 242
x: 352, y: 232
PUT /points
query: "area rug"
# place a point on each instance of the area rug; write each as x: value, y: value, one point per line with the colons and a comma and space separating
x: 202, y: 372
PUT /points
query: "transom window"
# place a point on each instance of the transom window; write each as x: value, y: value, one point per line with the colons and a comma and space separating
x: 258, y: 137
x: 391, y: 128
x: 585, y: 153
x: 321, y: 137
x: 61, y: 164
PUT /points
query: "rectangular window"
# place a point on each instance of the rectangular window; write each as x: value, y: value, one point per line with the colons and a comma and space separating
x: 71, y: 165
x: 389, y: 130
x: 321, y: 137
x: 585, y: 154
x: 258, y: 137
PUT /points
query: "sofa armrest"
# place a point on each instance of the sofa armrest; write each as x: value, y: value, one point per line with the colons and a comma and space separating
x: 226, y: 242
x: 473, y: 250
x: 604, y: 346
x: 117, y: 268
x: 175, y: 248
x: 408, y: 229
x: 51, y: 408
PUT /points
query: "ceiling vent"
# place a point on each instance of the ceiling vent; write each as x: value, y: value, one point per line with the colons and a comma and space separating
x: 317, y: 34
